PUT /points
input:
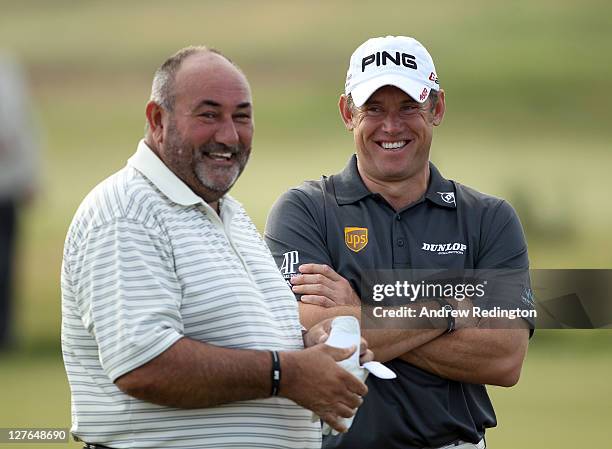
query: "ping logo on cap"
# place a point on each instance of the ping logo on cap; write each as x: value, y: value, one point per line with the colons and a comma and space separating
x: 382, y: 57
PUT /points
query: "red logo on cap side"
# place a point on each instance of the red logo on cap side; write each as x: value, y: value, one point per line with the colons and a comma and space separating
x: 423, y: 94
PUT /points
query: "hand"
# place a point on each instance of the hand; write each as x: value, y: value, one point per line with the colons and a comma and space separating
x: 320, y: 332
x: 365, y: 354
x: 321, y: 285
x: 313, y: 379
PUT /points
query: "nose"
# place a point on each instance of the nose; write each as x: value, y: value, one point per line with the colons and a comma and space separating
x: 392, y: 124
x: 226, y: 133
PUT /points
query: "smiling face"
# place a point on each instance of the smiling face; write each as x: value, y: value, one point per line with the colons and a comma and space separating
x: 392, y: 134
x: 206, y: 138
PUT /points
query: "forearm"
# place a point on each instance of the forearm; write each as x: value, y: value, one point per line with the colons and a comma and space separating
x: 311, y: 314
x: 191, y: 374
x: 386, y: 344
x: 474, y: 355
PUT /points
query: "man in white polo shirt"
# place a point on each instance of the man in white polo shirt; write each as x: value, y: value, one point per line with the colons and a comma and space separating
x: 177, y: 329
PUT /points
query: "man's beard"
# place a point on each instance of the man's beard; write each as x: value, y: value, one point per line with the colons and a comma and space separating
x: 193, y: 165
x: 212, y: 179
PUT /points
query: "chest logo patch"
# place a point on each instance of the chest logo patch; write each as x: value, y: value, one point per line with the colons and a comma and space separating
x: 445, y: 248
x: 447, y: 197
x: 355, y: 238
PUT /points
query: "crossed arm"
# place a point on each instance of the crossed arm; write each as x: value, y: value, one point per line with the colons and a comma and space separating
x: 475, y: 354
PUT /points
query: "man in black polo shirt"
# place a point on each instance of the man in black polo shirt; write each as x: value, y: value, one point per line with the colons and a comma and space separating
x: 390, y: 208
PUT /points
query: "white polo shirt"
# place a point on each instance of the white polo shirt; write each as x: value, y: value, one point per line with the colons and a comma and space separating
x: 146, y: 262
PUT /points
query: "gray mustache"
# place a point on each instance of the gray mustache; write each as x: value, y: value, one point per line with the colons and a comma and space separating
x: 216, y: 147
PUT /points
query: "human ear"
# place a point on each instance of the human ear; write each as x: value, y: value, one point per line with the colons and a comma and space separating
x: 154, y: 114
x: 346, y: 112
x: 438, y: 112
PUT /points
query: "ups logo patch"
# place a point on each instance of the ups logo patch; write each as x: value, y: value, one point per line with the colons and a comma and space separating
x: 356, y: 238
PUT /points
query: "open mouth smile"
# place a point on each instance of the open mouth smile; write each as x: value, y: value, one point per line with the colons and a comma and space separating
x: 393, y: 146
x: 220, y: 156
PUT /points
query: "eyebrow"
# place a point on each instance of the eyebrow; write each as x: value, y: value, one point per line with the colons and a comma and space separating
x: 215, y: 104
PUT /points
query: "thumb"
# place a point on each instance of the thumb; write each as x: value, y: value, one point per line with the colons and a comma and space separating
x: 342, y: 353
x: 323, y: 337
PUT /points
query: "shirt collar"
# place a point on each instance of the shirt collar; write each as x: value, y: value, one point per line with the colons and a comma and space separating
x: 349, y: 187
x: 440, y: 191
x: 147, y: 163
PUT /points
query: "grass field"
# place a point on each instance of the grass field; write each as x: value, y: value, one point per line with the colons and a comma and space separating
x: 528, y: 84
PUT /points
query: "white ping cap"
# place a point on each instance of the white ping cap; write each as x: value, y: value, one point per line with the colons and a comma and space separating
x: 398, y: 61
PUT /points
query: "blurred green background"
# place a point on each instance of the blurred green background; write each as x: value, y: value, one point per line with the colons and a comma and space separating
x: 528, y: 87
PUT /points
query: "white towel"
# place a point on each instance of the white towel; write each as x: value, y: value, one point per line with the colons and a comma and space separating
x: 345, y: 332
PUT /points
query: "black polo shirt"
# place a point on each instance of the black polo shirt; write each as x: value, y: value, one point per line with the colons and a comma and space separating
x: 337, y: 221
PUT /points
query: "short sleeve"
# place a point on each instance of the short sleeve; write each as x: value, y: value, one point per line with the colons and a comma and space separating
x: 127, y: 294
x: 295, y: 232
x: 503, y: 242
x: 503, y: 257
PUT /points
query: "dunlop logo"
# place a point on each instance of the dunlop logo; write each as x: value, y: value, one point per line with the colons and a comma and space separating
x: 356, y: 238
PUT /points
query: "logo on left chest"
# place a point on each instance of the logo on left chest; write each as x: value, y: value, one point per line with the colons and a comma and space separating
x: 355, y: 238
